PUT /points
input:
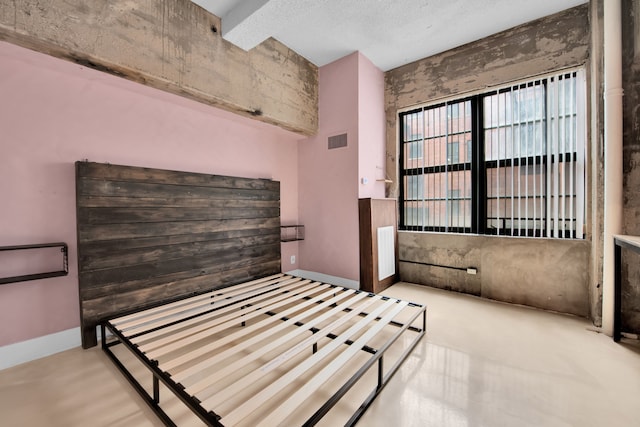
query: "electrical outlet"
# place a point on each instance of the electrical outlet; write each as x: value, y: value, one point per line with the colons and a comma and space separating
x: 293, y: 259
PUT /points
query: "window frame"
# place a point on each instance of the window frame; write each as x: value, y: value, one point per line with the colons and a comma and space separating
x: 433, y: 170
x: 479, y: 166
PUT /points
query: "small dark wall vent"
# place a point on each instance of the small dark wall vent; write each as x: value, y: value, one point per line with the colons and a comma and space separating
x: 337, y: 141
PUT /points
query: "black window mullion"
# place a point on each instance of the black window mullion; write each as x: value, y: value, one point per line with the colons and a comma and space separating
x: 401, y: 209
x: 548, y: 163
x: 478, y: 170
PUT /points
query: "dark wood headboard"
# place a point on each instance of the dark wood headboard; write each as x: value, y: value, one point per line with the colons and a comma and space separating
x: 146, y: 236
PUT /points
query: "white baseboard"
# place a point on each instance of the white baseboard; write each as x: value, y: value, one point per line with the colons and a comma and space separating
x: 36, y: 348
x: 320, y: 277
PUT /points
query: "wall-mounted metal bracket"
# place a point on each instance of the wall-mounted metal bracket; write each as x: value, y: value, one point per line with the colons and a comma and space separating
x: 65, y: 263
x: 291, y: 233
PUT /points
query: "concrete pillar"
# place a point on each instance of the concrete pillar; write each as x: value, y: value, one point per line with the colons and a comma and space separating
x: 613, y: 201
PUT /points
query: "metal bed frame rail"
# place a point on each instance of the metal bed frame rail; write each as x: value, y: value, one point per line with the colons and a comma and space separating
x: 153, y: 333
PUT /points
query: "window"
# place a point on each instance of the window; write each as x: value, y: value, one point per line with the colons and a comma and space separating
x: 509, y: 161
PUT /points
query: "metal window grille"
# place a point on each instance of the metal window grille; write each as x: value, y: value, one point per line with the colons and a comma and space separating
x: 519, y: 172
x: 437, y: 168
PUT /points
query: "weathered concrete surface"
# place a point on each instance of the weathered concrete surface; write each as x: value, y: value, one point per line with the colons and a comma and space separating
x: 631, y: 161
x: 453, y: 250
x: 595, y: 179
x: 548, y: 44
x: 173, y: 45
x: 550, y: 274
x: 544, y: 273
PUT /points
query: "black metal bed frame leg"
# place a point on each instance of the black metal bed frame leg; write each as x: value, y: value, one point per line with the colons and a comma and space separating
x: 156, y: 390
x: 382, y: 378
x: 152, y: 401
x: 244, y: 323
x: 424, y: 320
x: 380, y: 372
x: 103, y: 338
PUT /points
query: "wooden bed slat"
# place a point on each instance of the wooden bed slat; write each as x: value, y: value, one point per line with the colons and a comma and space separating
x: 317, y: 303
x: 256, y: 294
x: 239, y: 363
x: 255, y: 375
x: 270, y: 391
x: 155, y: 336
x: 170, y: 365
x: 141, y: 313
x: 277, y: 417
x: 225, y: 322
x: 254, y: 381
x: 155, y: 313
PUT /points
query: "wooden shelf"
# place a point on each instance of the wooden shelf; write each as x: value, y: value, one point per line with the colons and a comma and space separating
x: 291, y: 233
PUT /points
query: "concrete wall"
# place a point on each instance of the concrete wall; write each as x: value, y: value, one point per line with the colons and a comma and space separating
x: 595, y: 179
x: 543, y: 273
x: 552, y: 43
x: 549, y: 44
x: 172, y: 45
x: 631, y: 161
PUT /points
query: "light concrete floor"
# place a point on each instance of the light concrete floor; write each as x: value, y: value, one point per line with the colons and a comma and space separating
x: 481, y: 363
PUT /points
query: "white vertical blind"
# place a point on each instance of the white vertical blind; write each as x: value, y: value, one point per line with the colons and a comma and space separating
x: 535, y: 157
x: 580, y: 135
x: 566, y: 154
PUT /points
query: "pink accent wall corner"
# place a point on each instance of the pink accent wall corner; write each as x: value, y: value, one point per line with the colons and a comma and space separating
x: 328, y: 185
x: 53, y: 113
x: 351, y: 101
x: 371, y: 129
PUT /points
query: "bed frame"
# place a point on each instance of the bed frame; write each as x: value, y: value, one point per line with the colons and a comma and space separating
x: 259, y: 350
x: 181, y: 271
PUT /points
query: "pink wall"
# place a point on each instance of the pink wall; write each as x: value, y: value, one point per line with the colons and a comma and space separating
x: 328, y: 185
x: 351, y: 101
x: 53, y: 113
x: 371, y: 129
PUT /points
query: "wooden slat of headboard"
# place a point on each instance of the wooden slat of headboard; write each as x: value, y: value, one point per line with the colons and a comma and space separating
x: 147, y: 235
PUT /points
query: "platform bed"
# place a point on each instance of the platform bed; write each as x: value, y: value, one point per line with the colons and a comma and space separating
x: 273, y: 351
x: 181, y: 271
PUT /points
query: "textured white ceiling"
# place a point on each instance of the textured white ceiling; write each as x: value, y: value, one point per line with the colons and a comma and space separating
x: 390, y: 33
